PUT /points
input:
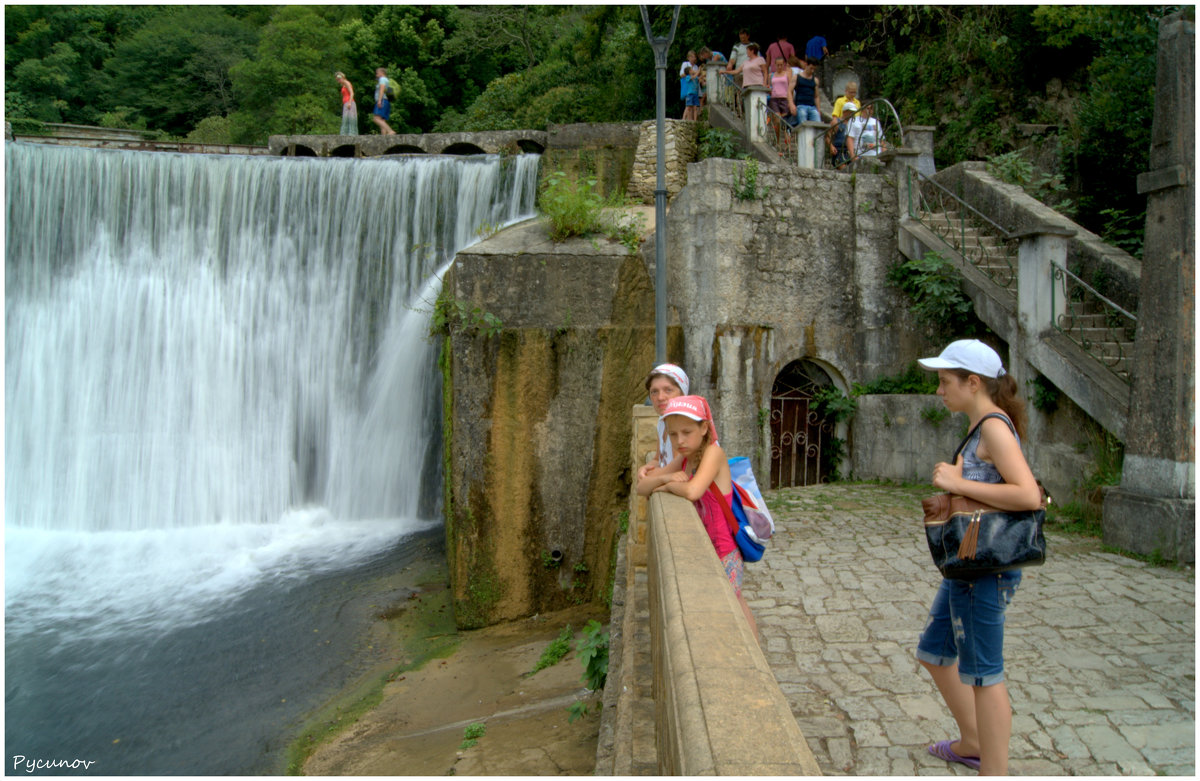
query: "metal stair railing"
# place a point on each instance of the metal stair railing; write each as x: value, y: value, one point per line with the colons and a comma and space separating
x: 780, y: 136
x: 986, y: 245
x: 1101, y: 327
x: 891, y: 132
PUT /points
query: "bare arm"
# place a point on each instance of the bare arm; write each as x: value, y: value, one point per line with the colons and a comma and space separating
x: 1019, y: 491
x: 650, y: 477
x: 714, y: 467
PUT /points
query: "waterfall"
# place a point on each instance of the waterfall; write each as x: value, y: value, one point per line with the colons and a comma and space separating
x: 217, y: 368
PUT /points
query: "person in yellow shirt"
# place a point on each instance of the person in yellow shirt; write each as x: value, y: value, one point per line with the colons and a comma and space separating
x: 851, y: 95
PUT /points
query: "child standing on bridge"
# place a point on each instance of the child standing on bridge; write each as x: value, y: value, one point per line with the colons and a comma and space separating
x: 962, y: 646
x: 704, y: 479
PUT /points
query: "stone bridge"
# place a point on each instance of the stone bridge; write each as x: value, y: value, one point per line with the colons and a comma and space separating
x: 489, y: 142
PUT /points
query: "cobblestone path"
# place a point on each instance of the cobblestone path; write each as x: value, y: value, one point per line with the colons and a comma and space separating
x: 1099, y: 648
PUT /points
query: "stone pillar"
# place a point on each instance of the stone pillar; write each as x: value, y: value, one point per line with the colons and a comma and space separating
x: 1153, y: 510
x: 712, y: 77
x: 902, y: 161
x: 810, y: 151
x: 920, y: 138
x: 754, y: 103
x: 1037, y: 307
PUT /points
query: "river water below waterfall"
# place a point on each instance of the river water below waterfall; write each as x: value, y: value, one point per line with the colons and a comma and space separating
x: 222, y: 417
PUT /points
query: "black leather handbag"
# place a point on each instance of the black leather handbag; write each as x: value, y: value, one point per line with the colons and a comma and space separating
x: 969, y: 539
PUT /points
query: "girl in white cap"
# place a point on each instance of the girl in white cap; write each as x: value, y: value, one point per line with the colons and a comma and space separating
x: 703, y: 479
x: 962, y: 646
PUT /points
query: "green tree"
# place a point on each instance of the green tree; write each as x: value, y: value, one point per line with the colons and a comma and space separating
x: 288, y: 86
x: 175, y: 70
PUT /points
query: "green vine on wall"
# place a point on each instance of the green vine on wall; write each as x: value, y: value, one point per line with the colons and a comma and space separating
x: 746, y: 185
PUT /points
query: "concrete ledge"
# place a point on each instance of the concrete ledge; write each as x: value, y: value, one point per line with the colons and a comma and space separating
x: 719, y: 709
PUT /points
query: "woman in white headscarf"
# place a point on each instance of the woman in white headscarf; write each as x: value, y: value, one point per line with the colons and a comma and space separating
x: 665, y: 382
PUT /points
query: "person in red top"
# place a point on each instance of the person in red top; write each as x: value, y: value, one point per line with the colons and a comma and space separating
x: 693, y: 435
x: 349, y: 109
x: 781, y: 48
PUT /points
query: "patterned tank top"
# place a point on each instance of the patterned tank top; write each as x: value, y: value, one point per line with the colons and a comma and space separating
x: 975, y: 468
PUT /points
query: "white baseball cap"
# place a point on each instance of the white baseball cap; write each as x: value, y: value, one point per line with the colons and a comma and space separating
x: 969, y: 354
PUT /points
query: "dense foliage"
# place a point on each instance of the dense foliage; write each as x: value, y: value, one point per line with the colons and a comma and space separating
x: 242, y: 73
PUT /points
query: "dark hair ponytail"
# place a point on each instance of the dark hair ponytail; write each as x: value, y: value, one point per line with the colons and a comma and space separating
x: 1003, y: 391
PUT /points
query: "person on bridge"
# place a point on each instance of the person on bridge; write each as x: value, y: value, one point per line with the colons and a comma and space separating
x: 383, y: 107
x: 349, y: 109
x: 693, y: 433
x: 962, y: 646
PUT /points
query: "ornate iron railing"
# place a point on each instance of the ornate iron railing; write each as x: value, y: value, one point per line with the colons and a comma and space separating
x: 728, y: 93
x: 964, y: 229
x: 1101, y: 327
x: 779, y: 135
x: 891, y: 133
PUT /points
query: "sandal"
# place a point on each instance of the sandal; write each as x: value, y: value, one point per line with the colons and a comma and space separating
x: 942, y: 750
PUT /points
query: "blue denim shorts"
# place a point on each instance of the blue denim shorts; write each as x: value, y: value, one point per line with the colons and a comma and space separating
x: 966, y: 623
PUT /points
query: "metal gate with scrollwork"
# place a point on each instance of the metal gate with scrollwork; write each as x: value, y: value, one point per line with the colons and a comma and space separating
x: 798, y: 433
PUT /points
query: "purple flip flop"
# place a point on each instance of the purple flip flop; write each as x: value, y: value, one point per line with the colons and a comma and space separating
x: 942, y: 751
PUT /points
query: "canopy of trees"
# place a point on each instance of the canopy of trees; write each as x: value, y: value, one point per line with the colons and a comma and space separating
x: 243, y: 73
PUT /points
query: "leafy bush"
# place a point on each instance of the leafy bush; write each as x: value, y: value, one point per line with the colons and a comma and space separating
x: 1013, y: 168
x: 593, y: 654
x: 716, y: 142
x: 575, y: 208
x: 1127, y: 231
x: 935, y: 287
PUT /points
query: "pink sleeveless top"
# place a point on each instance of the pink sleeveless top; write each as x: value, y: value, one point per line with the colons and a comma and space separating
x: 713, y: 517
x: 779, y: 85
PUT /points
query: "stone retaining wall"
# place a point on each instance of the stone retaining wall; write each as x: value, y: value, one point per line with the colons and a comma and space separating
x: 679, y: 149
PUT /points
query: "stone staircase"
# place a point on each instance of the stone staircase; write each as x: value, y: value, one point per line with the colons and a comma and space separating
x: 1083, y: 320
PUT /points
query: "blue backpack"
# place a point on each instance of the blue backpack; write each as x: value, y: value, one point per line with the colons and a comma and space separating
x: 747, y: 513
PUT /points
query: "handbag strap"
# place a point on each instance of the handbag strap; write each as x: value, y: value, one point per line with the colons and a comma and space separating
x: 971, y: 433
x: 725, y: 508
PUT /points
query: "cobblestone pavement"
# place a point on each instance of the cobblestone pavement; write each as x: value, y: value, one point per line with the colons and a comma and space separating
x: 1099, y: 648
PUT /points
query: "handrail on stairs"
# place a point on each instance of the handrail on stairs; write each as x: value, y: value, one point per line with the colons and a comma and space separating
x: 1119, y: 326
x: 882, y: 110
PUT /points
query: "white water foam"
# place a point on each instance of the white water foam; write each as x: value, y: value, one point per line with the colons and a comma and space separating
x: 217, y: 370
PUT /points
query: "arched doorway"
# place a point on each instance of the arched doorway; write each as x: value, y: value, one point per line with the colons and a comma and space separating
x: 798, y: 435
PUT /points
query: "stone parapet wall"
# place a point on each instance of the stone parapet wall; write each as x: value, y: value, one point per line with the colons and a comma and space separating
x: 679, y: 149
x: 718, y: 708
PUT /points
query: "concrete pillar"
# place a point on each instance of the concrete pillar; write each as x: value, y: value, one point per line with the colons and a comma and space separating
x: 810, y: 149
x: 712, y: 77
x: 1153, y: 510
x: 920, y: 138
x: 754, y: 102
x: 1037, y: 306
x: 902, y: 162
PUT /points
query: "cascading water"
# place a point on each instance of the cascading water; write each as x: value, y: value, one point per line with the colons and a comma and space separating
x: 218, y: 374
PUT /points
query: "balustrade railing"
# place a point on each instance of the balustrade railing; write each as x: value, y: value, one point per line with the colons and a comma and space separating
x: 968, y: 231
x: 1101, y: 327
x: 729, y: 94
